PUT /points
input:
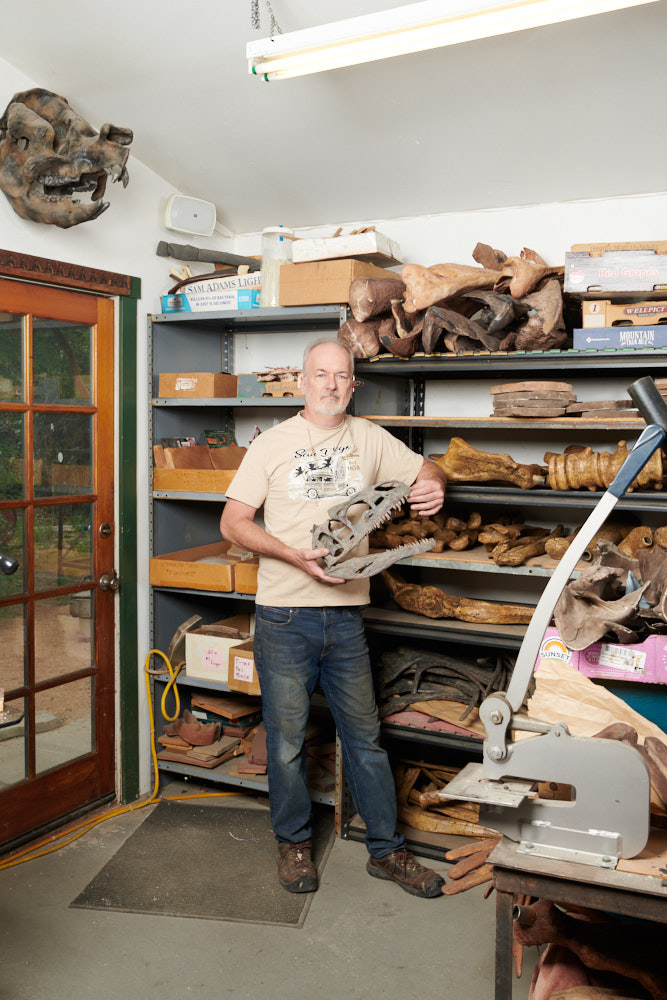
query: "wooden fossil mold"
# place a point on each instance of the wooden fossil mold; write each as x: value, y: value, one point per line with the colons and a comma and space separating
x: 435, y: 603
x: 582, y: 468
x: 464, y: 464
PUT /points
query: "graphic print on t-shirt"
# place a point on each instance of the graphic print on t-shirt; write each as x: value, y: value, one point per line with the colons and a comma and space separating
x: 323, y: 473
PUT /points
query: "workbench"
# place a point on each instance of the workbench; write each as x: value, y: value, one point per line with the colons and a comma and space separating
x: 607, y: 889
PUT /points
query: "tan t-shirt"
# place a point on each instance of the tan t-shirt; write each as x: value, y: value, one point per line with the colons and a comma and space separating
x: 298, y: 470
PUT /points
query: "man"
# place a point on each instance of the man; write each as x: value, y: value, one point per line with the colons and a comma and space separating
x: 308, y: 625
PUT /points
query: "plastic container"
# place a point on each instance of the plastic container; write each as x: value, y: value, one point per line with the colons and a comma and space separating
x: 276, y: 251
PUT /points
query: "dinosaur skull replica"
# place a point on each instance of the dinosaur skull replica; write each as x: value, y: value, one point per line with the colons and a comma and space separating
x: 48, y: 153
x: 345, y: 529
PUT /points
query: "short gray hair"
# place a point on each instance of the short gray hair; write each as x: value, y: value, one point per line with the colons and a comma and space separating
x: 327, y: 340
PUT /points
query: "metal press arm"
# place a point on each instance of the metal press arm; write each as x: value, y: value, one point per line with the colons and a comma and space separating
x: 653, y: 409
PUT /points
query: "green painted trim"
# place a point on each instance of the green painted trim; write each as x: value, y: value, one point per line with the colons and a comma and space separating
x: 127, y: 544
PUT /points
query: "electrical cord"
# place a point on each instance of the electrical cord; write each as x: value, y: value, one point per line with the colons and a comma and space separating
x: 56, y: 841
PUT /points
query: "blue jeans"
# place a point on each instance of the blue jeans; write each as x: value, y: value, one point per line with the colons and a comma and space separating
x: 294, y: 649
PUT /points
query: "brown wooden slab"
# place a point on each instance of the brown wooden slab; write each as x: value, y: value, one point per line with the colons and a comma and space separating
x: 604, y: 404
x: 533, y: 411
x: 652, y: 860
x: 531, y: 387
x: 533, y: 404
x: 608, y: 414
x: 568, y: 397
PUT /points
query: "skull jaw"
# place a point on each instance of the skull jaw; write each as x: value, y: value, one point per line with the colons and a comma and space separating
x: 340, y: 535
x: 63, y: 213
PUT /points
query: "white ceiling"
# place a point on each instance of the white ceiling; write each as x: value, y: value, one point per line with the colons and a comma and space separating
x: 573, y: 111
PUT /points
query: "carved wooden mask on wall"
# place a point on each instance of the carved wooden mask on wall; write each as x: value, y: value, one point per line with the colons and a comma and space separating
x: 50, y: 156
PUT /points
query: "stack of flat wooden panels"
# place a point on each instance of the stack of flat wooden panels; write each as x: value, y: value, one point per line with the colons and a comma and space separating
x: 532, y: 399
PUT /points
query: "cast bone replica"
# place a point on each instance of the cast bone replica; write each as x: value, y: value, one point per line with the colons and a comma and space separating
x: 340, y: 534
x: 49, y: 154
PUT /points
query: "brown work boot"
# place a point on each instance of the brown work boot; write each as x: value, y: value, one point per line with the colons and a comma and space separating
x: 402, y: 867
x: 296, y: 870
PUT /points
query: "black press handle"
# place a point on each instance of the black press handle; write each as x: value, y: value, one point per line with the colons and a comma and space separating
x: 8, y: 565
x: 646, y: 397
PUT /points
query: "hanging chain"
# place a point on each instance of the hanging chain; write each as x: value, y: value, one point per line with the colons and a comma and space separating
x: 255, y: 20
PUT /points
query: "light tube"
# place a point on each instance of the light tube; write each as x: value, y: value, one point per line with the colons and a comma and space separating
x: 413, y: 27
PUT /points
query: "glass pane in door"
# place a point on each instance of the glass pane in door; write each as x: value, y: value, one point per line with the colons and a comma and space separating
x: 63, y: 545
x: 12, y: 449
x: 12, y: 643
x: 11, y: 359
x: 63, y: 635
x: 63, y: 449
x: 63, y: 723
x: 12, y: 744
x: 62, y: 355
x: 12, y: 544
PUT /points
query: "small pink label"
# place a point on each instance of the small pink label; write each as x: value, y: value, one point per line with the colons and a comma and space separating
x: 213, y: 658
x: 242, y: 668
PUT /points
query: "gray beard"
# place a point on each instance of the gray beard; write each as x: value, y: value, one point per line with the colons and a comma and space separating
x: 328, y: 409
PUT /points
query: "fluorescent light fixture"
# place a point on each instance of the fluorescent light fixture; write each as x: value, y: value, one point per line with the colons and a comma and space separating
x: 414, y: 27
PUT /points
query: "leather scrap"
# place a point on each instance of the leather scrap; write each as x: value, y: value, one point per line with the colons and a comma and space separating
x: 189, y: 728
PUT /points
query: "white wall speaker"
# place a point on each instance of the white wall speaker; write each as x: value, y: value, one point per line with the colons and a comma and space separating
x: 189, y: 215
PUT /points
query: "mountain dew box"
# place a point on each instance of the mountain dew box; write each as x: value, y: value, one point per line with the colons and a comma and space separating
x: 620, y: 338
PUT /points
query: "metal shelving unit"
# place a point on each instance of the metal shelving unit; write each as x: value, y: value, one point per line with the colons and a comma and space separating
x: 406, y: 380
x: 180, y: 519
x: 621, y: 362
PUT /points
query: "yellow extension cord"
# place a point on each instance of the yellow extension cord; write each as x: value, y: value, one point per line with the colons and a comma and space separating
x: 35, y: 850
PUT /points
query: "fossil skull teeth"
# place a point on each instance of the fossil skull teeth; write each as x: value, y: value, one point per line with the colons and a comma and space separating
x: 340, y: 534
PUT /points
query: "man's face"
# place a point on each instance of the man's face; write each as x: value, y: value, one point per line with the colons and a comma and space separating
x: 327, y: 380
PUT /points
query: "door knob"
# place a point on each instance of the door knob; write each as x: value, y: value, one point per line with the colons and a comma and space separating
x: 109, y: 581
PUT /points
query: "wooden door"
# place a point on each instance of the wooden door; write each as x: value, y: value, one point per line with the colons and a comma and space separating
x: 57, y: 520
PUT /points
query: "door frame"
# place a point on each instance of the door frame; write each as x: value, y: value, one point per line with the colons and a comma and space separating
x: 126, y: 290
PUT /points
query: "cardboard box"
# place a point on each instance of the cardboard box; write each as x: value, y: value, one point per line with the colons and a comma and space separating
x: 645, y: 662
x: 660, y: 246
x: 324, y: 282
x: 616, y: 271
x: 196, y: 385
x: 374, y: 247
x: 620, y: 338
x: 190, y: 568
x: 552, y: 647
x: 642, y: 662
x: 207, y: 648
x: 282, y: 389
x: 193, y: 480
x: 215, y: 478
x: 249, y: 387
x: 245, y: 576
x: 222, y: 302
x: 599, y: 313
x: 242, y: 674
x: 236, y: 291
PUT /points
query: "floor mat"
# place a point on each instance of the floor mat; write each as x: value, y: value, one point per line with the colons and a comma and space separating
x: 209, y: 862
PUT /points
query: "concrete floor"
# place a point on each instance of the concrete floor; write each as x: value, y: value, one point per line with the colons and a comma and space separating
x: 362, y: 938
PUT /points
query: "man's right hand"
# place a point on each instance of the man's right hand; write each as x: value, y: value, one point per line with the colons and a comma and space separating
x: 306, y: 559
